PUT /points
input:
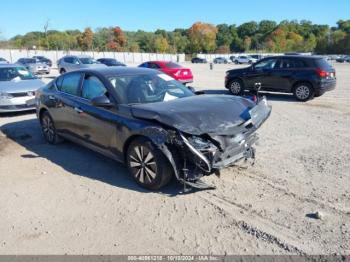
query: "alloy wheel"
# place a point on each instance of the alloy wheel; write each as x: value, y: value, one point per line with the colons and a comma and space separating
x: 143, y: 164
x: 48, y: 128
x: 235, y: 87
x: 302, y: 92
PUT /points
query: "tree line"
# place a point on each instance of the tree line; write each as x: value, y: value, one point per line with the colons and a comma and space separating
x: 263, y: 36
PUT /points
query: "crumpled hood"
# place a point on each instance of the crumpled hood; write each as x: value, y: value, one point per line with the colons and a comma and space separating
x: 197, y: 115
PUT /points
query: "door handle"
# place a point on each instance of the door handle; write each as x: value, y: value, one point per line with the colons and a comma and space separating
x: 78, y: 110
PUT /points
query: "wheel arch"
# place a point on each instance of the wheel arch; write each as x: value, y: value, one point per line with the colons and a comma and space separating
x: 298, y: 82
x: 41, y: 112
x: 159, y: 143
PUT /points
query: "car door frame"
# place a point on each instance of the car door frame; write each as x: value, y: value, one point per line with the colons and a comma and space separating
x: 97, y: 127
x: 62, y: 107
x: 282, y: 78
x: 259, y: 75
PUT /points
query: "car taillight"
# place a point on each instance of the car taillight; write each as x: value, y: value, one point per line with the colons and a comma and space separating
x: 322, y: 73
x: 177, y: 73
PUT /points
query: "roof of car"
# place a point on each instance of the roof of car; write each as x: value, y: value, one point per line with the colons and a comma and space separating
x: 296, y: 56
x: 115, y: 71
x: 9, y: 65
x: 159, y: 61
x: 79, y: 56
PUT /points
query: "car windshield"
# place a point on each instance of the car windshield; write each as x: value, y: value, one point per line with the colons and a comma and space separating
x: 15, y: 73
x: 172, y: 65
x: 150, y: 88
x: 88, y: 60
x: 112, y: 62
x: 29, y: 61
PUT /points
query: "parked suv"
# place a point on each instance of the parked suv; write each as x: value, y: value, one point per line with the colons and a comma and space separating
x: 244, y: 59
x: 220, y: 60
x: 304, y: 76
x: 34, y: 66
x: 72, y: 63
x: 43, y: 59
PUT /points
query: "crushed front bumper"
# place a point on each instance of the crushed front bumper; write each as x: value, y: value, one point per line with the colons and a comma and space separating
x: 223, y: 151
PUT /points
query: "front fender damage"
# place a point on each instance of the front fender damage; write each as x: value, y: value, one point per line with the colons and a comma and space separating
x: 195, y: 156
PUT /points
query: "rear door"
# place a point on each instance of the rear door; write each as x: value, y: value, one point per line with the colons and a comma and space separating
x: 63, y: 103
x: 95, y: 125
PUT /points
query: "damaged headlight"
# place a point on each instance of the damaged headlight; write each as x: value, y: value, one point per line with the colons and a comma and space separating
x: 198, y: 142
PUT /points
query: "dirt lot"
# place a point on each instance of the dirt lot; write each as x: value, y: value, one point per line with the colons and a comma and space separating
x: 67, y: 199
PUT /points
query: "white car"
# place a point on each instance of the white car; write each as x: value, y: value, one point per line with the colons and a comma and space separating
x: 17, y: 88
x: 245, y: 59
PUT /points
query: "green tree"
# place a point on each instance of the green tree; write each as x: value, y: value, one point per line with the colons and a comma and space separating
x: 161, y: 44
x: 247, y: 29
x: 266, y: 26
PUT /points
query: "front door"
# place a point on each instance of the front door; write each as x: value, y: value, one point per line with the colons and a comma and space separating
x: 260, y: 73
x: 282, y: 75
x: 96, y: 125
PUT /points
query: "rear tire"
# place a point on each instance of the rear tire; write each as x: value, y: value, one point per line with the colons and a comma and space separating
x: 148, y: 165
x: 236, y: 87
x: 303, y: 92
x: 49, y: 130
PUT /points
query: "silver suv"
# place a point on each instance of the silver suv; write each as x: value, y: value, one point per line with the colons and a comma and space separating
x: 71, y: 63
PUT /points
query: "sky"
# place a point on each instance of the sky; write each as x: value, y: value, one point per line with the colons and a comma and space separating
x: 22, y: 16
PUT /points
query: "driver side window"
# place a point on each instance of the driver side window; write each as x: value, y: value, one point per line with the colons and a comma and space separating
x: 92, y: 87
x: 266, y: 64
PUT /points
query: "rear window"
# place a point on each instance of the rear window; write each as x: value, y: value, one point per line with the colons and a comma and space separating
x: 323, y: 64
x: 173, y: 65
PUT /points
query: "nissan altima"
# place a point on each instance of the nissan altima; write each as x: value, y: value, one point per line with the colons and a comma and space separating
x: 154, y: 124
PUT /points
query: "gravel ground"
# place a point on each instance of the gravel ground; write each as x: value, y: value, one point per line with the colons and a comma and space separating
x: 68, y: 200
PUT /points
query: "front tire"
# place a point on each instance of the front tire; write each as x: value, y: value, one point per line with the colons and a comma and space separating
x: 148, y: 165
x: 236, y: 87
x: 49, y: 130
x: 303, y: 92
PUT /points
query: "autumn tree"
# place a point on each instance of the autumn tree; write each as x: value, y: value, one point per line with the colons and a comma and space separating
x: 85, y: 40
x: 202, y: 37
x: 118, y: 40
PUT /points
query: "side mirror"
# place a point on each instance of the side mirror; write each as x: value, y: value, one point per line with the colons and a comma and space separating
x: 191, y: 88
x: 101, y: 101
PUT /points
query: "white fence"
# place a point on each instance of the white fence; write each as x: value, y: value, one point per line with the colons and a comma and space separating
x: 13, y: 55
x: 211, y: 57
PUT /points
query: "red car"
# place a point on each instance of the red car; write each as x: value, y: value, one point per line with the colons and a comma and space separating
x: 172, y: 69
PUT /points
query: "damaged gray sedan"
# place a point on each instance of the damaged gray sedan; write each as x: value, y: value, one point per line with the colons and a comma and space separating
x: 154, y: 124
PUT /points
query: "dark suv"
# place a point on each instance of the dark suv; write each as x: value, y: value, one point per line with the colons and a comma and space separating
x: 304, y: 76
